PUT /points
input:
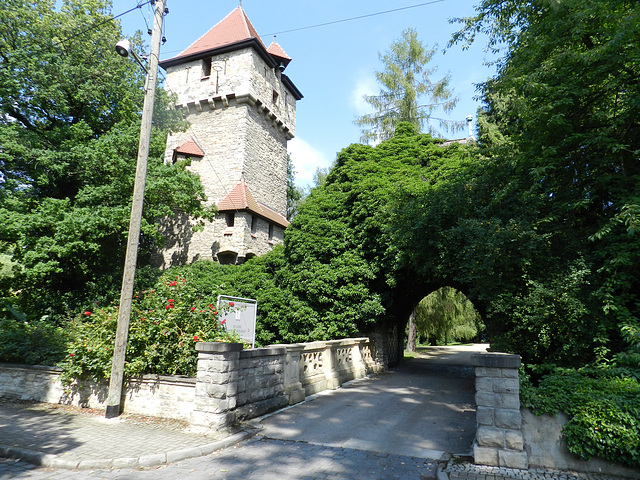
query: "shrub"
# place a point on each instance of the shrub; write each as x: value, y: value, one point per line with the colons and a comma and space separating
x: 165, y: 324
x: 603, y: 410
x: 35, y: 342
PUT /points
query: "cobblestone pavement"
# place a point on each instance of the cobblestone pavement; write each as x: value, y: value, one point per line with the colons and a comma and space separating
x: 70, y: 437
x: 469, y: 471
x: 259, y: 458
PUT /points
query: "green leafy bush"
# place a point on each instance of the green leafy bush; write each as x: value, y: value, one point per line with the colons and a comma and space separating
x: 35, y: 342
x: 603, y: 410
x: 165, y: 324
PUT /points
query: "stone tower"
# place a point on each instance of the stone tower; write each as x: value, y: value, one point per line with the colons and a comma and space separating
x: 241, y: 110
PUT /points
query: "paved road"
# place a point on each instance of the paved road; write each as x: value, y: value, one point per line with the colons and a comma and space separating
x: 392, y: 426
x: 260, y: 459
x: 418, y: 409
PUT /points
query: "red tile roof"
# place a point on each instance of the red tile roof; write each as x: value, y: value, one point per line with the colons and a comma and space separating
x: 278, y: 54
x: 190, y: 148
x: 234, y: 28
x: 240, y: 198
x: 276, y: 50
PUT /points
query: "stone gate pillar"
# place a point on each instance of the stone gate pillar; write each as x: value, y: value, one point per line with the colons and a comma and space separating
x: 216, y: 385
x: 499, y: 439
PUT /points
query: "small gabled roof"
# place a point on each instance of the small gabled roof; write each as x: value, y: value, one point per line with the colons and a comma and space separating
x: 275, y: 50
x: 190, y: 148
x: 241, y: 198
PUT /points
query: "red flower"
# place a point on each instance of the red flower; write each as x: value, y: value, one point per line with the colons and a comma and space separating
x: 173, y: 283
x: 72, y: 354
x: 193, y: 308
x: 87, y: 313
x: 195, y: 338
x: 231, y: 304
x: 223, y: 321
x: 170, y: 300
x: 215, y: 313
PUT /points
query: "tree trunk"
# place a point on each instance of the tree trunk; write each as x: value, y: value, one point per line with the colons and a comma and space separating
x: 413, y: 332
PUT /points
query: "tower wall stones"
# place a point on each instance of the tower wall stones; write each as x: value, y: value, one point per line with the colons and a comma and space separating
x: 241, y: 114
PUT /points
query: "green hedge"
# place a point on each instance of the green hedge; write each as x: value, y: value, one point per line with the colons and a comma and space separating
x: 603, y: 407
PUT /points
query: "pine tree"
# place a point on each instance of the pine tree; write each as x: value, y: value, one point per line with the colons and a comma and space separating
x: 405, y: 83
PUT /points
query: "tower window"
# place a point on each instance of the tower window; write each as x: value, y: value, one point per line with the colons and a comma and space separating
x: 271, y: 231
x: 206, y: 67
x: 275, y: 97
x: 254, y: 223
x: 230, y: 218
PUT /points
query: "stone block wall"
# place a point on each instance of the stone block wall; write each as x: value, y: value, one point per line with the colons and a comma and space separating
x: 234, y: 385
x: 231, y: 384
x: 161, y: 396
x: 499, y: 437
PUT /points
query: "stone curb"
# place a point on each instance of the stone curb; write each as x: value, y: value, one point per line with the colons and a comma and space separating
x: 151, y: 460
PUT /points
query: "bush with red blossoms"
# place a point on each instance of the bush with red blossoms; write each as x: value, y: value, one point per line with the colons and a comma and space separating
x: 165, y: 324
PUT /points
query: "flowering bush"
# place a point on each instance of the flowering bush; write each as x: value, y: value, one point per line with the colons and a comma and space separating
x: 165, y: 324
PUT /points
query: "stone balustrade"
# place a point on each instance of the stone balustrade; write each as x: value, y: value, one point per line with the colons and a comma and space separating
x: 234, y: 385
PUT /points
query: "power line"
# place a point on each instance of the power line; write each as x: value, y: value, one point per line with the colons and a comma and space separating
x: 96, y: 25
x: 353, y: 18
x: 344, y: 20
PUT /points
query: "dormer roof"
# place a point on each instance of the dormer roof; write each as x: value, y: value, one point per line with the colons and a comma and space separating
x: 241, y: 198
x: 276, y: 51
x: 190, y: 149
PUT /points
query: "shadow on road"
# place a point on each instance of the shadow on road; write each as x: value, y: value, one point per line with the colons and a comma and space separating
x: 422, y: 408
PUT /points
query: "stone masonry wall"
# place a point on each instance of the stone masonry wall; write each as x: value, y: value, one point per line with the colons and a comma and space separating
x: 170, y: 397
x: 231, y: 384
x: 241, y: 116
x: 499, y: 439
x: 234, y: 385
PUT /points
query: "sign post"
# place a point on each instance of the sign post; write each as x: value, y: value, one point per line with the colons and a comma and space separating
x: 239, y: 315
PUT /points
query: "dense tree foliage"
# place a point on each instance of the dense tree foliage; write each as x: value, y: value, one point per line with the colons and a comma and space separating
x: 562, y: 118
x: 69, y: 125
x: 405, y: 83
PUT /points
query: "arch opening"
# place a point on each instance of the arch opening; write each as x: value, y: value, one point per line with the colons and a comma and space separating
x: 444, y: 316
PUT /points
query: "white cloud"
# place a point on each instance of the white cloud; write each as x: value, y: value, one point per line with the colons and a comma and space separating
x: 306, y: 159
x: 365, y: 85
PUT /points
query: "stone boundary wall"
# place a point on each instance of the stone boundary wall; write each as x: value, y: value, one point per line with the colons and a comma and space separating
x: 513, y: 437
x: 231, y: 384
x: 155, y: 395
x: 234, y: 385
x: 543, y: 442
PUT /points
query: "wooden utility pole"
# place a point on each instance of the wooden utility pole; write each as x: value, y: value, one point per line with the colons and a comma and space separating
x: 114, y: 398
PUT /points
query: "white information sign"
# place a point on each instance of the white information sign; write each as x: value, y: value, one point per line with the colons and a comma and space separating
x: 239, y: 314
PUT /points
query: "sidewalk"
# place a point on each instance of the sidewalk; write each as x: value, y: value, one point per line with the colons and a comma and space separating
x: 66, y: 437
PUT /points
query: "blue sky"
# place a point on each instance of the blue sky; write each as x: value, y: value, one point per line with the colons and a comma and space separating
x: 333, y: 65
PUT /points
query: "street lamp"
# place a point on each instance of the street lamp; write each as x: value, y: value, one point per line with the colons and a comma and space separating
x: 114, y: 397
x: 123, y: 47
